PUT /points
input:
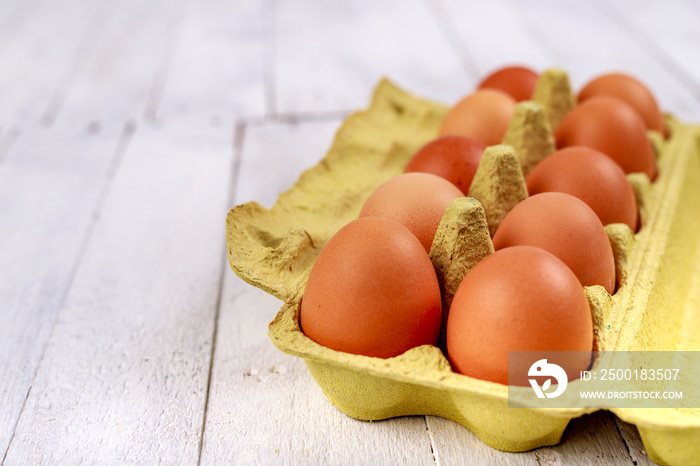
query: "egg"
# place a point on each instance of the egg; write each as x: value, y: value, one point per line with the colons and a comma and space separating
x: 517, y: 81
x: 454, y: 158
x: 518, y: 299
x: 611, y: 126
x: 590, y: 176
x: 416, y: 200
x: 372, y: 291
x: 566, y: 227
x: 631, y: 91
x: 483, y: 115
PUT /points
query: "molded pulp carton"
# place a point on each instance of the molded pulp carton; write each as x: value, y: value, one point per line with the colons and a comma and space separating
x: 656, y: 306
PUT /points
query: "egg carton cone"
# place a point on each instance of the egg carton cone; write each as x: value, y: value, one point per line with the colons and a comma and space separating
x: 656, y: 306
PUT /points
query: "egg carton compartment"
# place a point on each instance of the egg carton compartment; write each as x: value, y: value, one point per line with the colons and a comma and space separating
x: 656, y: 305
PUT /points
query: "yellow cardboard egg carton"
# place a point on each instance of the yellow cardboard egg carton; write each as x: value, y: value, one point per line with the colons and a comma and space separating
x: 656, y: 306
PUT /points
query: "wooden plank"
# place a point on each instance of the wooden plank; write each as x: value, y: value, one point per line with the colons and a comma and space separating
x: 43, y: 54
x: 264, y: 407
x: 117, y: 78
x: 328, y: 56
x: 585, y: 52
x: 668, y: 31
x: 51, y: 183
x: 633, y: 442
x: 124, y: 375
x: 492, y: 35
x: 218, y: 67
x: 590, y: 439
x: 277, y: 153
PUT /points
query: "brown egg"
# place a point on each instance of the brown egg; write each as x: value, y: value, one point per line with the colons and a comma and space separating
x: 483, y: 115
x: 611, y: 126
x: 566, y: 227
x: 454, y: 158
x: 590, y: 176
x: 518, y: 299
x: 372, y: 291
x: 629, y: 90
x: 516, y: 81
x: 416, y: 200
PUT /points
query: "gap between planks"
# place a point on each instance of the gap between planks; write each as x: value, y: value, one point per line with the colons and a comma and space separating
x: 237, y: 146
x: 122, y: 145
x: 122, y: 199
x: 155, y: 94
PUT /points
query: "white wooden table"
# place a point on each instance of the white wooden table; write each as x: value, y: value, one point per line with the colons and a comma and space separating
x: 129, y: 128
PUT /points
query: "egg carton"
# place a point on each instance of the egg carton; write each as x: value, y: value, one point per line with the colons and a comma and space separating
x: 656, y: 305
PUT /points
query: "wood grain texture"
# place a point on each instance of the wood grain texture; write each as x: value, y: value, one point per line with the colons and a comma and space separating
x: 42, y: 54
x: 118, y: 77
x: 51, y: 183
x: 328, y: 55
x: 219, y: 64
x: 589, y: 42
x: 591, y: 439
x: 124, y: 336
x: 633, y: 442
x: 124, y: 376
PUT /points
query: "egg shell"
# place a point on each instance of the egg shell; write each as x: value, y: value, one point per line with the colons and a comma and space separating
x: 517, y: 81
x: 566, y: 227
x: 372, y: 291
x: 415, y: 200
x: 631, y: 91
x: 483, y: 115
x: 590, y: 176
x: 520, y: 298
x: 454, y: 158
x: 611, y: 126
